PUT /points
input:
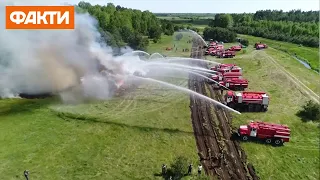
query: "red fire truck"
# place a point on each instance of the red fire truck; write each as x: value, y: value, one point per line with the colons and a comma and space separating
x: 259, y: 45
x: 225, y: 54
x: 235, y: 48
x: 247, y: 101
x: 221, y: 76
x: 235, y: 84
x: 268, y: 132
x: 219, y: 66
x: 213, y: 49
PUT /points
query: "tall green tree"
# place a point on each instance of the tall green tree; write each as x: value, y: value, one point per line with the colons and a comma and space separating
x: 120, y: 25
x: 137, y: 41
x: 223, y: 20
x: 219, y: 34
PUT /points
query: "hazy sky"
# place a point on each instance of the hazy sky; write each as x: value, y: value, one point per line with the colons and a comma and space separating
x: 212, y: 6
x: 201, y: 6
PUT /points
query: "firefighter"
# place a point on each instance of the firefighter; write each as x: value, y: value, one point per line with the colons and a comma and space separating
x: 209, y: 153
x: 190, y: 169
x: 199, y: 169
x: 164, y: 169
x: 26, y: 174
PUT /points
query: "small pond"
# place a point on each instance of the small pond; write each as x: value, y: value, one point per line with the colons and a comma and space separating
x: 302, y: 62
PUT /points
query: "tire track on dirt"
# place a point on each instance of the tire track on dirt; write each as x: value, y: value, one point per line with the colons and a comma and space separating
x: 206, y: 142
x: 219, y: 155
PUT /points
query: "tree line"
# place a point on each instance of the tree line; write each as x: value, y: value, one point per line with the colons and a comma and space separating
x: 306, y: 33
x: 219, y: 34
x: 120, y: 26
x: 293, y: 15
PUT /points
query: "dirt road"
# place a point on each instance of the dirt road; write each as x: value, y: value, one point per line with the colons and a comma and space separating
x: 220, y: 156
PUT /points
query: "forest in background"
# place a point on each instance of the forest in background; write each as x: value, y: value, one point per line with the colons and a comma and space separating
x: 296, y: 26
x: 120, y: 26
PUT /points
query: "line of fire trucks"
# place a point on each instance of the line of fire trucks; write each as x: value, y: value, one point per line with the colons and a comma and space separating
x: 229, y: 77
x: 216, y: 48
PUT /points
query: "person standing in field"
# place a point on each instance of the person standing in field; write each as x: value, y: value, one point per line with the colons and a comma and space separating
x: 164, y: 169
x: 199, y: 169
x: 26, y: 174
x: 190, y: 169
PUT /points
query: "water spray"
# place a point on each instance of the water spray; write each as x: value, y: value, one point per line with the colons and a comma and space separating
x: 156, y: 54
x: 190, y: 59
x: 188, y: 91
x: 142, y: 52
x: 195, y: 33
x: 182, y: 60
x: 207, y: 73
x: 192, y: 72
x: 179, y: 65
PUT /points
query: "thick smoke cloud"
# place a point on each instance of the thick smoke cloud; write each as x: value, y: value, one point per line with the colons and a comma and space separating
x: 42, y: 61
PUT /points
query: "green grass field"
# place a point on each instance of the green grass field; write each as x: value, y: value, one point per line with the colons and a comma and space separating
x: 298, y: 159
x: 171, y: 18
x: 124, y: 138
x: 130, y: 137
x: 171, y: 42
x: 308, y: 54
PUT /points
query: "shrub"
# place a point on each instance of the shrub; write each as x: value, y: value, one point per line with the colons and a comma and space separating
x: 179, y: 36
x: 179, y: 167
x: 219, y: 34
x: 310, y: 111
x: 259, y: 63
x: 244, y: 42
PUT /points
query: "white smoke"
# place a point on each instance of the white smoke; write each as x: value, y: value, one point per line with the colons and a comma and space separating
x: 45, y: 61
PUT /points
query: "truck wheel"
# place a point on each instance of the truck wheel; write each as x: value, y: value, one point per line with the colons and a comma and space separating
x: 258, y: 108
x: 268, y: 141
x: 278, y: 142
x: 231, y: 105
x: 245, y: 138
x: 250, y: 108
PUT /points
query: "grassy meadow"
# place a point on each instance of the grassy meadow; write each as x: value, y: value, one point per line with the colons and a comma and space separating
x: 130, y: 137
x: 172, y: 42
x: 308, y: 54
x: 299, y: 158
